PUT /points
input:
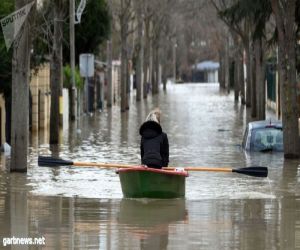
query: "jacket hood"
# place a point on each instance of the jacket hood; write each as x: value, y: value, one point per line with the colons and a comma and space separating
x: 150, y: 129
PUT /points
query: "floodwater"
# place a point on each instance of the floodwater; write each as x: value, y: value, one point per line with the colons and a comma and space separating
x: 83, y: 208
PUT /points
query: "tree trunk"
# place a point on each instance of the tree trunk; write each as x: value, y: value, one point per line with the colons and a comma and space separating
x: 146, y: 59
x: 164, y: 78
x: 241, y: 77
x: 174, y: 62
x: 151, y: 74
x: 139, y: 70
x: 124, y: 64
x: 157, y: 64
x: 260, y: 80
x: 56, y: 72
x: 253, y: 81
x: 153, y: 63
x: 236, y: 60
x: 123, y: 76
x: 285, y: 21
x: 73, y: 92
x: 248, y: 74
x: 127, y: 82
x: 221, y: 69
x: 20, y: 96
x: 227, y: 65
x: 236, y: 79
x: 109, y: 75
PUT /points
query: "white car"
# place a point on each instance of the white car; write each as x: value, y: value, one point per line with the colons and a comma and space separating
x: 263, y: 136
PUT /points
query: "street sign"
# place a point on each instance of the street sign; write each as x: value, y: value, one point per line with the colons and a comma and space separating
x: 12, y: 23
x: 86, y: 65
x: 80, y: 10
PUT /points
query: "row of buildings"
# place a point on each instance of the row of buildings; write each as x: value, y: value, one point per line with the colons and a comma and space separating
x: 40, y: 98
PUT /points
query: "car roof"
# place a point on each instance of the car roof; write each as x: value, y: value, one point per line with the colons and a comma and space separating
x: 264, y: 123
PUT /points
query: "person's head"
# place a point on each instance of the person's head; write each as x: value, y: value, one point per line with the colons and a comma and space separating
x: 154, y: 115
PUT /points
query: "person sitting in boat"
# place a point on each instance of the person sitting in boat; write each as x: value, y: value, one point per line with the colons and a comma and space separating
x: 154, y: 142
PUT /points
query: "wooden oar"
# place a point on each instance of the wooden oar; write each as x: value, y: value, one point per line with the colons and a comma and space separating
x: 252, y: 171
x: 55, y: 162
x: 48, y: 161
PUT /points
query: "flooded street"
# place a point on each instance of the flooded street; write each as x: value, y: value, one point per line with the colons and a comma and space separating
x: 83, y: 208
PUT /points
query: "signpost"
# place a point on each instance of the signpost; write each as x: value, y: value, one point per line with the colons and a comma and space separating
x: 87, y: 69
x: 75, y: 95
x: 12, y: 23
x: 79, y: 11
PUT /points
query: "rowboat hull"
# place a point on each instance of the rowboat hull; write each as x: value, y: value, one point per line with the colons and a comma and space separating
x: 141, y: 182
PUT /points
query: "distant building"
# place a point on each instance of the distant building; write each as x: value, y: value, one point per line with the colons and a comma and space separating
x: 206, y: 71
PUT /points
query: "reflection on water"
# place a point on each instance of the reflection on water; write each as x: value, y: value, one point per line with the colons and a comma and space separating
x: 149, y: 220
x: 79, y: 223
x: 82, y: 208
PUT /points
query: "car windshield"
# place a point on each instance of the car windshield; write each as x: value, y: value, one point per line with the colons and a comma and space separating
x: 267, y: 139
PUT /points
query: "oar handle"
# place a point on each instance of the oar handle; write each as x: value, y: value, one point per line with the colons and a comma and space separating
x: 202, y: 169
x: 105, y: 165
x: 256, y: 171
x: 117, y: 165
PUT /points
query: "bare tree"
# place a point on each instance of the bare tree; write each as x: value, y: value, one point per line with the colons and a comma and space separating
x: 242, y: 29
x: 123, y: 17
x: 139, y: 49
x: 109, y: 74
x: 284, y: 12
x: 259, y: 48
x: 148, y: 13
x: 56, y: 71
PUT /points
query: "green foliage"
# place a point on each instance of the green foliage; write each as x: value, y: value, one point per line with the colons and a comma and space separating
x: 93, y: 29
x: 89, y: 34
x: 67, y: 78
x: 256, y: 12
x: 6, y: 7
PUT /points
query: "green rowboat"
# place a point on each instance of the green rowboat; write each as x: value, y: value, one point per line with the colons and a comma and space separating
x: 142, y: 182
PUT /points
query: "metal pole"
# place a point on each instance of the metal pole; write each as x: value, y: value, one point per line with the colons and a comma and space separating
x: 87, y: 86
x: 86, y: 83
x: 72, y: 59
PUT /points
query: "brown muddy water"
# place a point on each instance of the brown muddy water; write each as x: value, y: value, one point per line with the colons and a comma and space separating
x: 80, y: 208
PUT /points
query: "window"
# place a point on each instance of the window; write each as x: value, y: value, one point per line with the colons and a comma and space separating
x: 267, y: 139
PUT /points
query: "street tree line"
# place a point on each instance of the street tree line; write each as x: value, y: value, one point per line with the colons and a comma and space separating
x: 261, y: 29
x: 183, y: 33
x: 149, y: 36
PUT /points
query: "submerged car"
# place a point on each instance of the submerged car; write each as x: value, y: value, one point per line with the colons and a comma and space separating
x: 263, y: 136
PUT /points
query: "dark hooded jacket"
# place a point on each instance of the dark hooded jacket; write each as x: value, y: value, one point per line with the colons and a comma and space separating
x: 154, y: 145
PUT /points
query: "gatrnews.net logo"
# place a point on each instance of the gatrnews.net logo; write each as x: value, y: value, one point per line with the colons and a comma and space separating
x: 23, y: 241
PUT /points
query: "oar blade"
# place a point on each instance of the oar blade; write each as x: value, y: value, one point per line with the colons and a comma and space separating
x: 48, y: 161
x: 253, y: 171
